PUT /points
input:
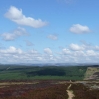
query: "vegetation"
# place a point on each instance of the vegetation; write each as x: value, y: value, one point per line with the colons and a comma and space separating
x: 83, y: 92
x: 36, y: 72
x: 91, y: 71
x: 41, y: 90
x: 47, y: 90
x: 34, y: 82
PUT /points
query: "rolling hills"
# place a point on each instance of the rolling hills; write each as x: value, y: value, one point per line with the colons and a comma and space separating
x: 10, y: 72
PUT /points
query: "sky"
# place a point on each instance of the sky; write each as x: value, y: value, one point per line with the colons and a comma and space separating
x: 49, y: 31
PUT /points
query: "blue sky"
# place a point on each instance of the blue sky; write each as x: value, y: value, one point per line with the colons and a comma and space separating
x: 49, y: 31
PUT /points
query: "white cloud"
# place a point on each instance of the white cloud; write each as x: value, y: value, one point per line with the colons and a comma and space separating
x: 96, y: 48
x: 91, y: 53
x: 76, y: 47
x: 79, y: 53
x: 15, y: 34
x: 16, y: 15
x: 66, y: 51
x: 11, y: 50
x: 48, y: 51
x: 33, y: 51
x: 89, y: 46
x: 17, y: 55
x: 79, y: 29
x: 53, y: 37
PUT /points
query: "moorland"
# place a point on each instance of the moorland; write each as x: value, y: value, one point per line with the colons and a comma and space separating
x: 49, y: 82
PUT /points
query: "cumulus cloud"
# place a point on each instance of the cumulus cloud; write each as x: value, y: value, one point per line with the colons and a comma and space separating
x: 48, y: 51
x: 89, y: 46
x: 91, y: 53
x: 16, y: 15
x: 66, y: 51
x: 15, y: 34
x: 76, y: 47
x: 17, y: 55
x: 33, y: 51
x: 53, y: 37
x: 11, y: 50
x: 79, y: 29
x: 96, y: 48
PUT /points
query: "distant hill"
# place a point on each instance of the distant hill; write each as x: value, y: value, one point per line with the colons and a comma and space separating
x: 52, y: 64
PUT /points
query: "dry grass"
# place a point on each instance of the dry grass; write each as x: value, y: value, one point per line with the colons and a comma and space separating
x: 90, y: 71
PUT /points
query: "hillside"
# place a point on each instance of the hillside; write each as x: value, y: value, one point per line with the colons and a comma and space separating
x: 92, y: 73
x: 10, y: 72
x: 36, y: 72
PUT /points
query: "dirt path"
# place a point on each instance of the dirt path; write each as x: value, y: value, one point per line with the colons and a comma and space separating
x: 70, y: 92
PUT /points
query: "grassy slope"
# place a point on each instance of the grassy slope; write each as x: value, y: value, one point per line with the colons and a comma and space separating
x: 51, y: 72
x: 90, y: 71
